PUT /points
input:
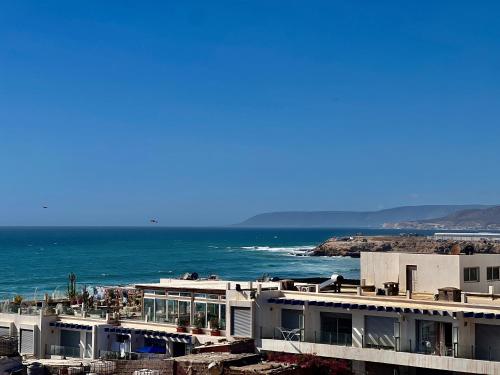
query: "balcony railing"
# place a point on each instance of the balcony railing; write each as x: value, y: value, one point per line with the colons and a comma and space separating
x: 334, y: 338
x: 64, y: 351
x: 109, y: 354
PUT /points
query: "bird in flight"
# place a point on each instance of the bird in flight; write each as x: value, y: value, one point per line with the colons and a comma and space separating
x: 153, y: 221
x: 45, y: 206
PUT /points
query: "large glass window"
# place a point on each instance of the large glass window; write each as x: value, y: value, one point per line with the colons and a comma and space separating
x: 149, y: 308
x: 222, y: 320
x: 185, y: 312
x: 178, y: 312
x: 213, y: 313
x: 160, y: 310
x: 200, y: 311
x: 336, y: 328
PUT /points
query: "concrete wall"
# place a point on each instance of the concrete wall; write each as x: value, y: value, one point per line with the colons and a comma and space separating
x: 377, y: 268
x: 468, y: 366
x: 433, y: 270
x: 482, y: 261
x: 30, y: 322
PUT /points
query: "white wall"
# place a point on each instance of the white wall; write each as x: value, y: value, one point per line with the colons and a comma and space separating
x: 433, y: 270
x: 482, y: 261
x: 378, y: 268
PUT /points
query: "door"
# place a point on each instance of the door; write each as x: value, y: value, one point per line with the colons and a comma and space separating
x: 241, y: 322
x: 411, y: 278
x: 70, y: 343
x: 487, y: 342
x: 27, y: 341
x: 379, y: 332
x: 336, y: 328
x: 292, y: 324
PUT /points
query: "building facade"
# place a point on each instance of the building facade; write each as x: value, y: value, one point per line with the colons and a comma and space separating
x: 416, y: 327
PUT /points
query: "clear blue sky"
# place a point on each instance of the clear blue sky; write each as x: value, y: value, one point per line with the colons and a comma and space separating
x: 209, y: 112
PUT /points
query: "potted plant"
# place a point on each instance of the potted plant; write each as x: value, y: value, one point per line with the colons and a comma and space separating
x: 181, y: 325
x: 214, y: 327
x: 199, y: 322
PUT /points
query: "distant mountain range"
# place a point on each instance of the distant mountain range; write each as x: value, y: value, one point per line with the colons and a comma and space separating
x: 467, y: 219
x: 388, y: 218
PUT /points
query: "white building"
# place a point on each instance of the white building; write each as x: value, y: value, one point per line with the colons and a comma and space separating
x: 460, y: 236
x: 416, y: 329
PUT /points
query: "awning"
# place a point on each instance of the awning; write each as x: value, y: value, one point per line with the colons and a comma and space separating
x: 151, y: 350
x: 396, y: 309
x: 175, y: 337
x: 79, y: 327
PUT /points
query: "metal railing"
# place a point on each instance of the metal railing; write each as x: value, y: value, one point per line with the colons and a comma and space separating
x: 290, y: 334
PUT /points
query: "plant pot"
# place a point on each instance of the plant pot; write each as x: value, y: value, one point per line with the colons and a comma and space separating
x: 214, y: 332
x: 181, y: 329
x: 196, y: 331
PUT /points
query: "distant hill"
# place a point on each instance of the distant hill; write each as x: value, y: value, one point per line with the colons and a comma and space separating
x: 467, y: 219
x: 346, y: 219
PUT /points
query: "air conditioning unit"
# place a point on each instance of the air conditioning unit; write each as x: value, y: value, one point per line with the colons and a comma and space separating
x: 308, y: 288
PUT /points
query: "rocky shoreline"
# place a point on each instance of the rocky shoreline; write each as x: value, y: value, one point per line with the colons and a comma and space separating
x: 353, y: 246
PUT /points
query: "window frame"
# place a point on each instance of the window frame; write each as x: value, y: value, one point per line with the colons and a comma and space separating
x: 467, y: 275
x: 490, y: 273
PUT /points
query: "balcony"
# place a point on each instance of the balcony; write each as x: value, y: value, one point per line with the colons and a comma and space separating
x: 402, y: 358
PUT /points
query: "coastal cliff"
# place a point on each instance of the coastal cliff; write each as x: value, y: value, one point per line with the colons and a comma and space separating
x: 353, y: 246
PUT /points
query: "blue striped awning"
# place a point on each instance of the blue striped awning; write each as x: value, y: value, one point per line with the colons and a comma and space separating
x: 406, y: 310
x: 149, y: 333
x: 79, y: 327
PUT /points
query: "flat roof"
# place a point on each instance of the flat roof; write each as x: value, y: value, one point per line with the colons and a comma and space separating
x: 395, y: 301
x: 206, y: 284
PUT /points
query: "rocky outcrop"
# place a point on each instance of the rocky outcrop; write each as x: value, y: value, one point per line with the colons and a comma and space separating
x: 353, y: 246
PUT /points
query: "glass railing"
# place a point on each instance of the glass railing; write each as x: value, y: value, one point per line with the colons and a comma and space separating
x: 380, y: 342
x: 64, y: 351
x: 334, y: 338
x: 11, y: 308
x: 110, y: 355
x: 287, y: 334
x: 31, y: 310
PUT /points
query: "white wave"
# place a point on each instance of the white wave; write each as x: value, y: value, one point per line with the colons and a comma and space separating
x: 285, y: 249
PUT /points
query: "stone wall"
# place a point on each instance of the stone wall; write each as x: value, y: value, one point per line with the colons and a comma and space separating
x: 124, y: 367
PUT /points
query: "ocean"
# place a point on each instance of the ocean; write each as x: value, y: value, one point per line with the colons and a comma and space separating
x: 38, y: 259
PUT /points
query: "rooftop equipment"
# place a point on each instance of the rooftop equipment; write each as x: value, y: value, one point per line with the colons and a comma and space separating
x: 190, y: 276
x: 335, y: 281
x: 449, y: 294
x: 288, y: 284
x: 391, y: 288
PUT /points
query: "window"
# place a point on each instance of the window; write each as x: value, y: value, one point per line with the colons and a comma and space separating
x: 179, y: 312
x: 149, y: 308
x: 493, y: 273
x: 157, y: 292
x: 160, y: 310
x: 471, y: 274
